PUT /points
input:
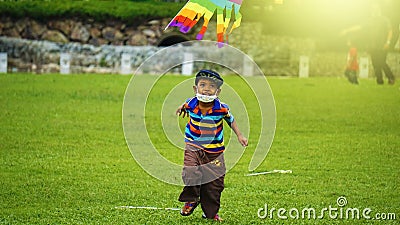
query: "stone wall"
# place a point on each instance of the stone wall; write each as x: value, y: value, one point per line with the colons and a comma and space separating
x: 97, y: 47
x: 88, y: 31
x: 44, y: 56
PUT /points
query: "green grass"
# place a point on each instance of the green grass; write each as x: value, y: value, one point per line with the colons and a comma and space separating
x: 64, y: 159
x: 125, y: 10
x: 128, y: 11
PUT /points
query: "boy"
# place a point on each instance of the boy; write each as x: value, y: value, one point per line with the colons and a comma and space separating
x: 204, y: 167
x: 352, y: 64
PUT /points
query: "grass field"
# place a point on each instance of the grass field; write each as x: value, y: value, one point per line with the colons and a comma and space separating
x: 64, y: 159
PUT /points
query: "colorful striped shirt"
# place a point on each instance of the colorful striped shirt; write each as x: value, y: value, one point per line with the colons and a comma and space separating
x: 206, y: 131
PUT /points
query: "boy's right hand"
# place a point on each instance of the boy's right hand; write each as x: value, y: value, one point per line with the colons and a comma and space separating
x: 182, y: 111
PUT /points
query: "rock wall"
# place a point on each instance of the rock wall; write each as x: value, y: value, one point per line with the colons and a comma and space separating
x: 88, y: 31
x: 97, y: 48
x: 44, y: 56
x: 275, y: 60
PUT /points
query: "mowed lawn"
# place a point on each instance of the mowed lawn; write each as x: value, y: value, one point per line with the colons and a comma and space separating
x: 64, y: 159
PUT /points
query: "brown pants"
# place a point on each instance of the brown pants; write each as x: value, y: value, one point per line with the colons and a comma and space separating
x: 203, y: 175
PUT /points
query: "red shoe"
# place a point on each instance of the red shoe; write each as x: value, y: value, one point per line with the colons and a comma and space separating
x: 188, y: 208
x: 216, y: 217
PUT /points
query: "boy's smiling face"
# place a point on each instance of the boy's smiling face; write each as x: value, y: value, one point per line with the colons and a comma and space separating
x: 206, y: 87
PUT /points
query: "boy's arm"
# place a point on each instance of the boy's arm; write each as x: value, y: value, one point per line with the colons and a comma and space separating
x: 181, y: 109
x: 350, y: 30
x: 352, y: 57
x: 242, y: 140
x: 389, y: 39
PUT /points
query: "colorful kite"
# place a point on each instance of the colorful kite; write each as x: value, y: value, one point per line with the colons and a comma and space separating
x: 191, y: 13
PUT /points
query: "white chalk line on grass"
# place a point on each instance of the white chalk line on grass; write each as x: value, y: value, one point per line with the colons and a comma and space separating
x: 145, y: 207
x: 178, y: 209
x: 268, y: 172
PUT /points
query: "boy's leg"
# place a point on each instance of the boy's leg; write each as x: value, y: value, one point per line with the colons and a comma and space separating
x: 353, y: 75
x: 386, y: 68
x: 191, y: 175
x: 377, y: 63
x: 389, y: 73
x: 190, y: 194
x: 210, y: 197
x: 210, y: 192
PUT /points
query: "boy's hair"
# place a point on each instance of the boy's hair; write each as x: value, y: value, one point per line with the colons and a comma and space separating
x: 209, y: 74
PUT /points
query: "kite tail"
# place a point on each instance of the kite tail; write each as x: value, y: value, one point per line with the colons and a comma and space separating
x: 238, y: 20
x: 220, y: 26
x: 207, y: 16
x: 189, y: 15
x: 228, y: 16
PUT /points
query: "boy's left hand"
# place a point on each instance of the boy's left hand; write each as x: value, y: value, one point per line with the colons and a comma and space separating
x: 181, y: 110
x: 243, y: 141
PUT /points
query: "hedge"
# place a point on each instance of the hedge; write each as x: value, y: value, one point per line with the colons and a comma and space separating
x: 124, y: 10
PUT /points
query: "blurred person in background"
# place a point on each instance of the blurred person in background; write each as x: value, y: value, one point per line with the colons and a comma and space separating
x: 352, y: 66
x: 379, y: 35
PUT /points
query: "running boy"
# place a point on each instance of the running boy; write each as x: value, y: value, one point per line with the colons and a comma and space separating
x: 351, y: 70
x: 204, y: 166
